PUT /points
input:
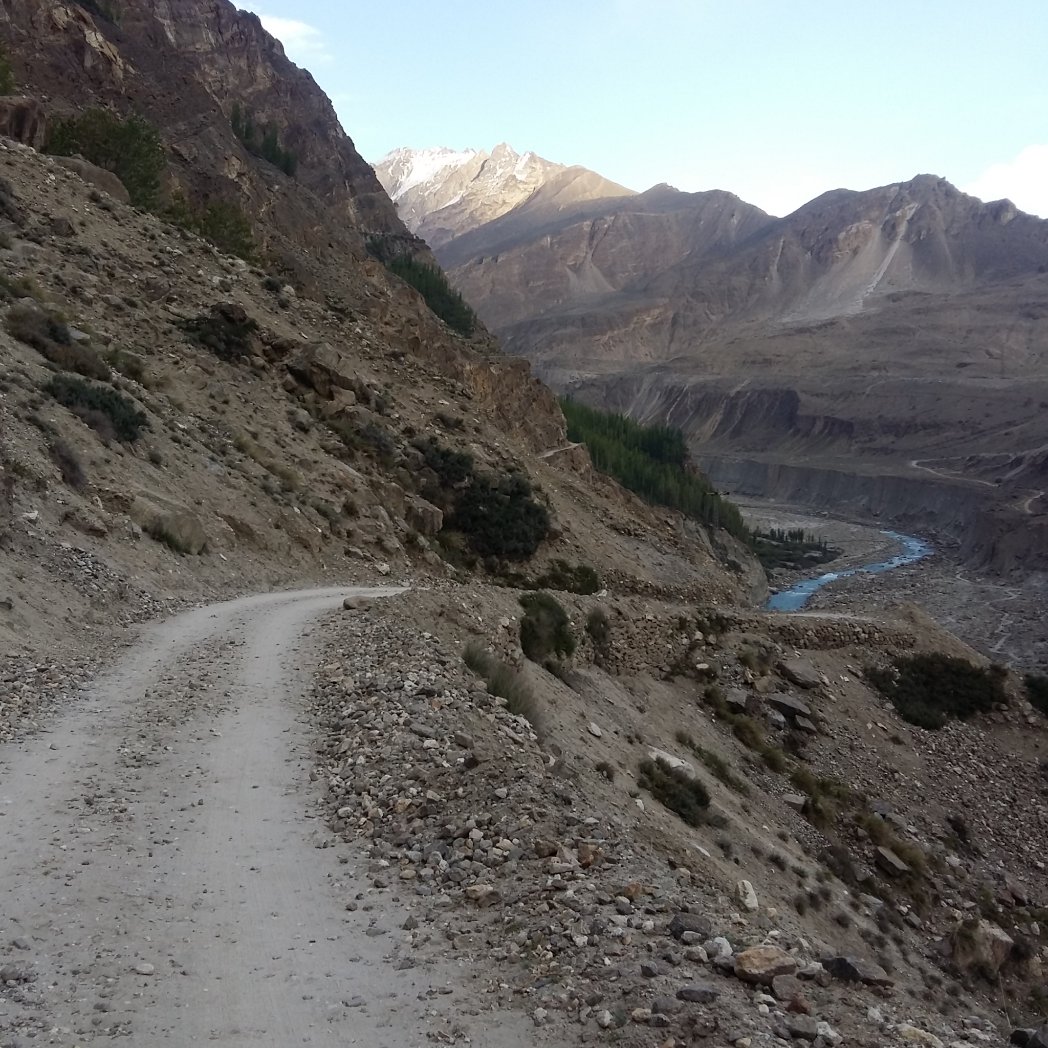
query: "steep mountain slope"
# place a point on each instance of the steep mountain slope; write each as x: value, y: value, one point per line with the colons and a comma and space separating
x: 442, y: 193
x: 185, y: 65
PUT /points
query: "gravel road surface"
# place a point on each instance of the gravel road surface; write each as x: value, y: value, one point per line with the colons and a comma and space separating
x: 165, y: 878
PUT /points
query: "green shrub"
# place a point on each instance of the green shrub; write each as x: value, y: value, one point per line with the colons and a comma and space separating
x: 598, y: 626
x: 7, y: 76
x: 262, y: 141
x: 717, y: 765
x: 12, y: 288
x: 499, y: 517
x: 505, y: 682
x: 103, y: 409
x: 51, y: 338
x: 431, y: 283
x: 1037, y: 691
x: 451, y: 467
x: 129, y: 147
x: 577, y: 578
x: 930, y: 689
x: 222, y: 222
x: 545, y: 631
x: 652, y: 462
x: 107, y: 11
x: 226, y: 330
x: 675, y: 789
x: 159, y: 532
x: 130, y: 365
x: 64, y: 456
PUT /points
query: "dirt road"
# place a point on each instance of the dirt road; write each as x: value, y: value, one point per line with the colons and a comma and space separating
x: 164, y: 879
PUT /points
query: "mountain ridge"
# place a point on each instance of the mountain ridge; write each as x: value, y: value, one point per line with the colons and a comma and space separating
x: 647, y: 302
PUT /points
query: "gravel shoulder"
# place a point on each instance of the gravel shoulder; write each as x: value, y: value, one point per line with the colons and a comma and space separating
x: 167, y: 875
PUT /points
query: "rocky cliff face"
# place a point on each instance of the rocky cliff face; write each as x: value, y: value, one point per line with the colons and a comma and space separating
x: 184, y: 64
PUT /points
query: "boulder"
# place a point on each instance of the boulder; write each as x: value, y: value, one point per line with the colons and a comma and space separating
x: 854, y: 969
x: 761, y: 964
x: 789, y: 705
x: 802, y: 1027
x: 24, y: 120
x: 96, y: 176
x: 747, y: 897
x: 801, y: 672
x: 980, y: 945
x: 690, y: 922
x: 424, y: 517
x: 324, y: 369
x: 740, y: 701
x: 787, y: 988
x: 890, y: 863
x: 915, y: 1035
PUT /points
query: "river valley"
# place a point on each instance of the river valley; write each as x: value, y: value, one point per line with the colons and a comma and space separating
x: 1000, y: 616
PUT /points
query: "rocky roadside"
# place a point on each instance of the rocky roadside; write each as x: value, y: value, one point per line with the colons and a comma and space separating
x: 509, y: 867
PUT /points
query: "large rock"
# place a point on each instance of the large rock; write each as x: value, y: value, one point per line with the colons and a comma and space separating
x: 801, y: 672
x: 424, y: 517
x: 980, y: 946
x: 915, y: 1035
x: 690, y: 922
x: 789, y: 705
x: 24, y: 120
x: 98, y: 177
x: 890, y: 863
x: 324, y: 369
x: 854, y: 969
x: 761, y: 964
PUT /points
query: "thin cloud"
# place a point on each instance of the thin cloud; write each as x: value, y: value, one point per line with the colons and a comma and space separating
x: 1023, y: 180
x: 303, y: 43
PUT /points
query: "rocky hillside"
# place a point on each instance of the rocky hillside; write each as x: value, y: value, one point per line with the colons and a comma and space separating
x: 197, y: 423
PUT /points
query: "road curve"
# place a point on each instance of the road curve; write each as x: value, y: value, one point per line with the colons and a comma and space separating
x: 165, y: 878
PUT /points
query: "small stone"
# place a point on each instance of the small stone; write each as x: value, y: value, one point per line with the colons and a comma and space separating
x: 145, y: 969
x: 747, y: 897
x: 915, y: 1035
x: 853, y: 969
x: 802, y: 1027
x: 690, y: 922
x: 760, y: 964
x: 595, y: 731
x: 698, y: 993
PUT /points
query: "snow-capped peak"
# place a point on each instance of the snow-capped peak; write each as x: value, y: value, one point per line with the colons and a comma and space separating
x: 413, y: 167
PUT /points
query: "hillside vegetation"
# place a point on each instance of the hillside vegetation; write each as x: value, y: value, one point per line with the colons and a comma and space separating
x: 652, y: 462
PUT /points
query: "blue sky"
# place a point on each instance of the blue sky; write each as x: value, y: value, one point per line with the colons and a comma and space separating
x: 775, y: 100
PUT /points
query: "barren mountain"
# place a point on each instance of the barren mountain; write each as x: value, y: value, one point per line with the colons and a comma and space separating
x: 442, y: 193
x: 878, y: 352
x: 628, y: 808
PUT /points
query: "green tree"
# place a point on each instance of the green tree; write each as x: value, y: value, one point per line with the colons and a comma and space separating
x: 129, y: 147
x: 7, y: 76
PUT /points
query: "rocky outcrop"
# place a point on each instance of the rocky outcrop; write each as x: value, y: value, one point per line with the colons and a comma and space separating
x: 24, y: 120
x: 184, y: 64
